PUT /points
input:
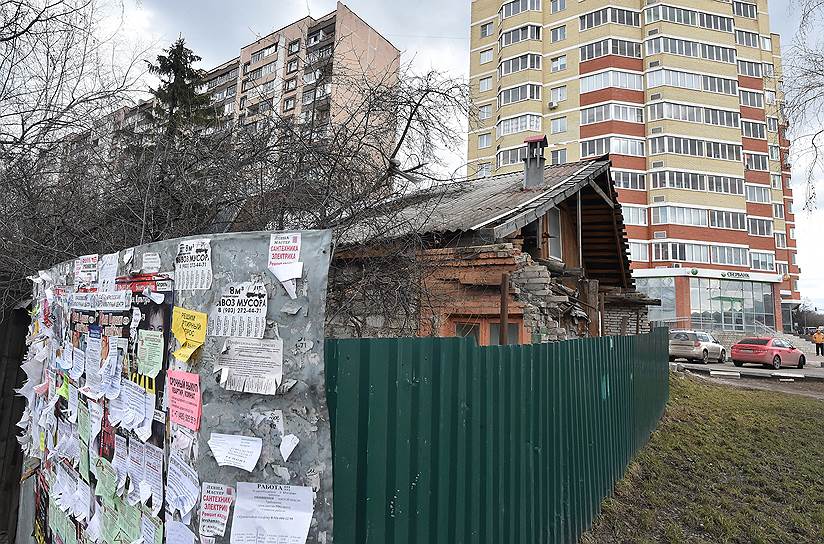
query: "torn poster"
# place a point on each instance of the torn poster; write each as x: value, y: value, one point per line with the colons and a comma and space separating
x: 193, y: 265
x: 240, y: 311
x: 215, y: 503
x: 178, y: 533
x: 271, y: 513
x: 182, y: 486
x: 251, y: 365
x: 151, y: 263
x: 150, y: 349
x: 189, y: 327
x: 236, y: 450
x: 108, y: 272
x: 184, y: 398
x: 284, y: 260
x: 85, y: 269
x: 287, y: 445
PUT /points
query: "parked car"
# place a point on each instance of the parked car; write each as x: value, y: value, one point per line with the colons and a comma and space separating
x: 767, y: 351
x: 695, y: 346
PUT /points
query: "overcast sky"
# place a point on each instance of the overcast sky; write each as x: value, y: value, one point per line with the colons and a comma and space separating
x: 430, y: 34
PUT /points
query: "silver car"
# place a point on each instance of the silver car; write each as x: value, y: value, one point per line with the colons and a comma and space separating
x: 695, y: 346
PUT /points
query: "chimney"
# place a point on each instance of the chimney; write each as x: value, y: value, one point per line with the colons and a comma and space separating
x: 534, y: 161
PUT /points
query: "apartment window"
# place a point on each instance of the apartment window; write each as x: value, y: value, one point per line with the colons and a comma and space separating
x: 315, y: 38
x: 687, y: 80
x: 677, y: 251
x: 778, y: 211
x: 782, y: 268
x: 678, y: 215
x: 751, y: 99
x: 715, y: 22
x: 293, y: 47
x: 520, y: 93
x: 613, y: 144
x: 792, y: 233
x: 762, y: 261
x: 728, y: 220
x: 734, y: 256
x: 485, y: 84
x: 766, y: 43
x: 638, y: 252
x: 610, y: 46
x: 749, y: 39
x: 751, y: 129
x: 753, y: 161
x: 609, y: 15
x: 515, y: 7
x: 292, y: 66
x: 557, y: 5
x: 629, y: 180
x: 750, y: 69
x: 558, y: 63
x: 760, y: 227
x: 290, y: 85
x: 486, y: 56
x: 558, y: 94
x: 558, y: 125
x: 554, y: 228
x: 484, y: 170
x: 511, y: 156
x: 485, y: 112
x: 769, y: 96
x: 522, y: 123
x: 759, y: 194
x: 769, y: 69
x: 486, y: 29
x: 697, y: 148
x: 484, y: 141
x: 634, y: 216
x: 743, y: 9
x: 289, y: 104
x: 772, y: 124
x: 780, y: 240
x: 692, y: 114
x: 520, y: 63
x: 687, y: 48
x: 775, y: 181
x: 688, y: 17
x: 774, y: 152
x: 612, y: 112
x: 527, y: 32
x: 311, y: 77
x: 558, y: 156
x: 558, y: 33
x: 308, y: 97
x: 228, y: 108
x: 612, y: 78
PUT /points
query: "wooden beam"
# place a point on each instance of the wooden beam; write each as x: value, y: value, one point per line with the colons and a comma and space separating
x: 502, y: 339
x: 622, y: 256
x: 603, y: 195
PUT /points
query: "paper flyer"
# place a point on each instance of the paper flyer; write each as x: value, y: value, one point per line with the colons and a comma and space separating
x: 240, y: 311
x: 193, y: 265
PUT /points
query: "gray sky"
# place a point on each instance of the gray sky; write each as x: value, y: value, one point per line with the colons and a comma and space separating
x: 430, y: 34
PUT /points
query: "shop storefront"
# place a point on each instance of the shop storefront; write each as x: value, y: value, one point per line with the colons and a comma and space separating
x: 713, y: 299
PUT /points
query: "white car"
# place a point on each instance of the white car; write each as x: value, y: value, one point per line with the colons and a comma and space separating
x: 695, y: 346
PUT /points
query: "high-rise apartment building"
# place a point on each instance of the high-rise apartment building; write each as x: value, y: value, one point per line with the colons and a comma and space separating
x: 685, y: 97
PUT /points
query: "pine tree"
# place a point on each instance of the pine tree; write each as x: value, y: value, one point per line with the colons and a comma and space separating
x: 178, y: 104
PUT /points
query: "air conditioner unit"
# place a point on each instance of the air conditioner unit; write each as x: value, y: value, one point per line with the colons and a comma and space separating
x: 676, y: 265
x: 553, y: 105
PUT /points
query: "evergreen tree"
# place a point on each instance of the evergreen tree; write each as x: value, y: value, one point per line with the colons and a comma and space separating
x: 178, y: 104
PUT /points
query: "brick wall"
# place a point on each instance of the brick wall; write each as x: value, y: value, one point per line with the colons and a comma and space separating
x: 620, y: 320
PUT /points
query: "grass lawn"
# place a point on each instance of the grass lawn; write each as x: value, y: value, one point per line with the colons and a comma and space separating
x: 725, y: 465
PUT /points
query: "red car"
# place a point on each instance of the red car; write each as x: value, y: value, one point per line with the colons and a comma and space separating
x: 766, y: 351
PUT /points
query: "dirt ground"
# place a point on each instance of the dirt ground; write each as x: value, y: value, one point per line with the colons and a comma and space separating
x: 812, y: 389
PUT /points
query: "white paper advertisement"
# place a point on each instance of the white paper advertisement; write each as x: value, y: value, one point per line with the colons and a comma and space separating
x: 215, y: 503
x: 193, y: 265
x: 240, y: 311
x: 251, y: 365
x: 284, y: 260
x: 271, y: 513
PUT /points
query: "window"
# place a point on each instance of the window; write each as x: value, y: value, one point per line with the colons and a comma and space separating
x: 558, y: 33
x: 610, y: 46
x: 484, y: 169
x: 780, y: 240
x: 687, y: 48
x: 629, y: 180
x: 752, y: 99
x: 614, y: 112
x: 692, y: 114
x: 759, y: 194
x: 760, y: 227
x: 751, y: 129
x: 511, y: 156
x: 558, y: 63
x: 772, y: 124
x: 311, y: 77
x: 522, y: 123
x: 766, y: 43
x: 486, y: 29
x: 263, y: 53
x: 485, y: 112
x: 558, y: 94
x: 485, y: 84
x: 768, y: 69
x: 734, y: 256
x: 754, y: 161
x: 782, y: 268
x: 697, y: 148
x: 792, y: 233
x: 688, y: 17
x: 290, y: 85
x: 769, y: 96
x: 613, y: 144
x: 484, y: 141
x: 778, y: 211
x: 612, y: 78
x: 749, y: 39
x: 762, y: 261
x: 467, y: 330
x: 528, y: 91
x: 557, y: 5
x: 520, y: 63
x: 558, y: 156
x: 687, y: 80
x: 292, y: 66
x: 228, y: 108
x: 515, y: 7
x: 677, y: 251
x: 742, y: 9
x: 294, y: 47
x: 289, y: 104
x: 677, y: 215
x: 528, y: 32
x: 775, y: 181
x: 610, y: 15
x: 774, y: 153
x: 554, y: 228
x: 558, y: 125
x: 728, y: 220
x: 486, y: 56
x: 750, y: 69
x: 634, y: 216
x: 638, y: 252
x: 308, y: 97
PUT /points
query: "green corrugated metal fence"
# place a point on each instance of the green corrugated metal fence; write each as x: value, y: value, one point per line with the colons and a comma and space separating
x: 437, y: 440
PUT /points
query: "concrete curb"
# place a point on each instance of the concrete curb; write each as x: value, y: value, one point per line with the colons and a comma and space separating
x: 741, y: 372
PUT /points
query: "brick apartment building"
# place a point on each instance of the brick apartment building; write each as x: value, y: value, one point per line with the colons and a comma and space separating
x: 686, y: 99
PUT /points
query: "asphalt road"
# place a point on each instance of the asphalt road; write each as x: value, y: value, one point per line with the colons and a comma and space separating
x: 812, y: 369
